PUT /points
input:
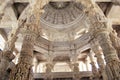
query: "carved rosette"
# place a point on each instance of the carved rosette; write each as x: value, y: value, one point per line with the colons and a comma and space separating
x: 111, y: 57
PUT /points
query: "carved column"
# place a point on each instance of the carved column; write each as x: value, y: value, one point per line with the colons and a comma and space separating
x: 50, y: 64
x: 7, y: 54
x: 101, y: 65
x: 100, y: 30
x: 96, y: 49
x: 101, y: 33
x: 75, y: 65
x: 115, y: 41
x: 112, y: 61
x: 94, y: 68
x: 23, y: 70
x: 76, y: 75
x: 49, y: 67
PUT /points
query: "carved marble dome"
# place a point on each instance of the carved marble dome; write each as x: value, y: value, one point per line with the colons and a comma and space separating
x: 61, y: 15
x: 63, y: 21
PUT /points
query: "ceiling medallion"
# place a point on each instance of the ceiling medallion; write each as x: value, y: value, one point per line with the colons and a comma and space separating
x: 59, y: 5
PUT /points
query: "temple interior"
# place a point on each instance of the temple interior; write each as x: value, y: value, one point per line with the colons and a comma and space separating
x: 59, y: 39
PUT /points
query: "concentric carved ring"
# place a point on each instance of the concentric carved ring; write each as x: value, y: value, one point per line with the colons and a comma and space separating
x: 62, y: 15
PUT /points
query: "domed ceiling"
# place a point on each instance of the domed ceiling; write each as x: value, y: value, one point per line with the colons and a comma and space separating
x: 61, y: 15
x: 63, y: 20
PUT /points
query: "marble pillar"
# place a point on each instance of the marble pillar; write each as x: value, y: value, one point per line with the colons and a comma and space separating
x: 111, y: 57
x: 7, y: 54
x: 49, y: 67
x: 99, y: 30
x: 94, y: 68
x: 76, y: 75
x: 115, y: 41
x: 23, y: 70
x: 100, y: 61
x: 101, y: 65
x: 101, y: 33
x: 74, y: 65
